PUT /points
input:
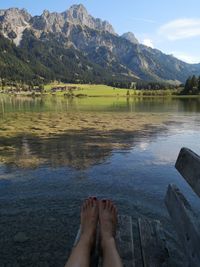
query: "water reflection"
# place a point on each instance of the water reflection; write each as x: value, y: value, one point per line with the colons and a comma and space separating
x: 61, y: 132
x: 54, y: 152
x: 77, y: 149
x: 56, y: 104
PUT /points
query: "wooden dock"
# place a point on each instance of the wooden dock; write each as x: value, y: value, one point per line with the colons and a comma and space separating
x: 152, y: 249
x: 184, y: 218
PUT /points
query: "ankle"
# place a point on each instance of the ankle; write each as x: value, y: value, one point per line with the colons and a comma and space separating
x: 86, y: 240
x: 107, y: 242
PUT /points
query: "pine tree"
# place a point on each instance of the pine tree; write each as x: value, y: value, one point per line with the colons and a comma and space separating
x: 198, y: 84
x: 193, y: 82
x: 188, y: 86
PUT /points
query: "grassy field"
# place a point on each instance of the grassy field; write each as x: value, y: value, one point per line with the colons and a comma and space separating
x: 99, y: 90
x: 92, y: 90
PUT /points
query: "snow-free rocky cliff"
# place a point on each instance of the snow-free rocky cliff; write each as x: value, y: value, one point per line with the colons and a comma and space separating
x: 92, y: 40
x: 14, y: 21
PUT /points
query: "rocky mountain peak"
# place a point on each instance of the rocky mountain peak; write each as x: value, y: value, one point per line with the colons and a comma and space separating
x: 13, y: 23
x: 48, y: 22
x: 78, y: 14
x: 2, y: 12
x: 15, y: 15
x: 130, y: 37
x: 46, y: 13
x: 78, y: 39
x: 78, y: 8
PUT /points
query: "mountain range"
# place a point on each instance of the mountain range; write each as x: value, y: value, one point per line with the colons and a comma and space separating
x: 73, y: 46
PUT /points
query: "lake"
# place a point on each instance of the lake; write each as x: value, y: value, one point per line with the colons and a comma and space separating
x: 55, y: 152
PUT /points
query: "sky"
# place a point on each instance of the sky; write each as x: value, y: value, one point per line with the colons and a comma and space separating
x: 172, y: 26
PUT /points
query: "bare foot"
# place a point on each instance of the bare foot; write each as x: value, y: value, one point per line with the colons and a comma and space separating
x: 107, y: 220
x: 89, y: 219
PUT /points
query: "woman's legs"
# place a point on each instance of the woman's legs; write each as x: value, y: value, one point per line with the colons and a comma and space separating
x: 108, y: 222
x: 91, y: 209
x: 80, y: 256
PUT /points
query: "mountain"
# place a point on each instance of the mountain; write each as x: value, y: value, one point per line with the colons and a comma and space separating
x: 78, y: 14
x: 130, y: 37
x: 74, y: 46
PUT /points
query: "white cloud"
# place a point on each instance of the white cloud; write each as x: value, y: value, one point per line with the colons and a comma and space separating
x: 143, y: 146
x: 186, y: 57
x: 148, y: 42
x: 180, y: 29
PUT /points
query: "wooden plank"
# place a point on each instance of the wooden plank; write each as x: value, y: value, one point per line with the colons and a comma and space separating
x: 124, y: 240
x: 186, y: 224
x: 188, y: 164
x: 154, y: 249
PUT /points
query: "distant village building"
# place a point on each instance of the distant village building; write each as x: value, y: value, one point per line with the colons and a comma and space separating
x: 133, y: 85
x: 63, y: 88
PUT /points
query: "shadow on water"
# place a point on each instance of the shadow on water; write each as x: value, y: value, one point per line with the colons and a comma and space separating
x: 75, y: 149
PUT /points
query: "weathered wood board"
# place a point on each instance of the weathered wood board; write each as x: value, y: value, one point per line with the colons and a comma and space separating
x: 153, y: 244
x: 154, y: 249
x: 186, y: 224
x: 124, y: 240
x: 188, y: 164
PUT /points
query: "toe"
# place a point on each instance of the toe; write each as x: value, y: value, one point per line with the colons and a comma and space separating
x: 108, y: 204
x: 112, y: 207
x: 93, y: 201
x: 101, y: 204
x: 104, y: 203
x: 90, y: 204
x: 84, y: 206
x: 87, y: 203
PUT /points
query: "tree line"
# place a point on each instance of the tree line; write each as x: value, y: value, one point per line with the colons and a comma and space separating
x: 192, y: 86
x: 142, y: 85
x: 39, y: 62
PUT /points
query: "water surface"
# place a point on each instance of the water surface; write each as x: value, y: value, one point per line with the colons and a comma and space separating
x: 54, y: 152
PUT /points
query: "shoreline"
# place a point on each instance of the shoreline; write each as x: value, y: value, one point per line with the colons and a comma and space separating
x: 88, y: 90
x: 31, y: 94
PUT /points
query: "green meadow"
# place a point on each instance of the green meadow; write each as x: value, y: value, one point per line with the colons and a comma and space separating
x: 93, y: 90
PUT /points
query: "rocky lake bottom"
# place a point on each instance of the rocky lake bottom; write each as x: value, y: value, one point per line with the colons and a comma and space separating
x: 55, y: 152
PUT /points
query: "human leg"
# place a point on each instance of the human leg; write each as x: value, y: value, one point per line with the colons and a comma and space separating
x: 108, y: 222
x: 80, y: 255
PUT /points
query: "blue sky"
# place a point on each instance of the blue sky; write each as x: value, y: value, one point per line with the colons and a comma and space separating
x: 173, y: 26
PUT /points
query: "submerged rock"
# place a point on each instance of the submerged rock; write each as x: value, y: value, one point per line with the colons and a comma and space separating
x: 21, y: 237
